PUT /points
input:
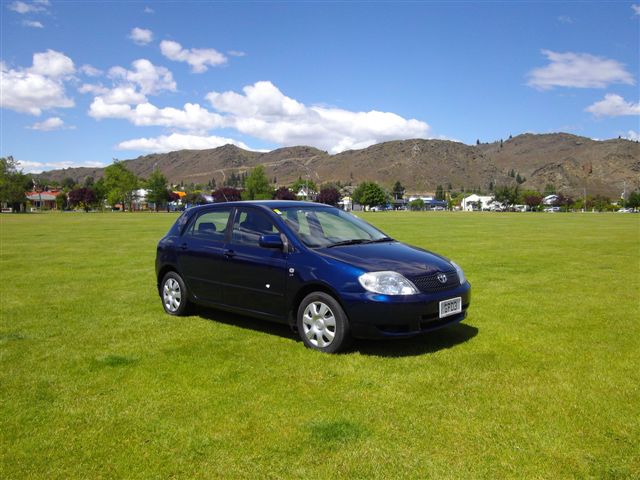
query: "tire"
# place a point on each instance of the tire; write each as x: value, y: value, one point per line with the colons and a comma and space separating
x: 174, y: 295
x: 322, y: 323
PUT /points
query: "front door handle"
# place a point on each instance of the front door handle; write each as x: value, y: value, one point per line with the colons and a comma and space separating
x: 183, y: 246
x: 229, y: 253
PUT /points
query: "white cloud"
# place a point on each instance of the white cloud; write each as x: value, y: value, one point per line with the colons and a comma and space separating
x: 53, y: 123
x: 117, y: 95
x: 177, y: 141
x: 36, y: 167
x: 636, y: 9
x: 565, y: 19
x: 633, y: 135
x: 261, y: 110
x: 265, y: 112
x: 192, y: 117
x: 150, y: 78
x: 90, y: 71
x: 32, y: 24
x: 141, y: 36
x: 38, y: 88
x: 149, y: 10
x: 236, y: 53
x: 579, y: 70
x: 198, y: 58
x: 23, y: 7
x: 613, y: 106
x: 52, y: 64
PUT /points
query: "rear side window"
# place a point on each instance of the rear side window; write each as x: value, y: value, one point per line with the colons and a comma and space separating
x: 210, y: 225
x: 249, y: 226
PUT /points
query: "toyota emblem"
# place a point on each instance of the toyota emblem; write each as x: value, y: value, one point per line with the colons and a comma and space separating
x: 442, y: 278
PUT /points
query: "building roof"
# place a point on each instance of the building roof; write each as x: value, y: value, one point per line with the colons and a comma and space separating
x: 42, y: 196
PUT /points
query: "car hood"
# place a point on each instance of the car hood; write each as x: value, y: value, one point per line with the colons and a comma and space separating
x: 393, y: 256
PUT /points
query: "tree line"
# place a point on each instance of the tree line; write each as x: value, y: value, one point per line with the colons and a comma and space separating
x: 118, y: 186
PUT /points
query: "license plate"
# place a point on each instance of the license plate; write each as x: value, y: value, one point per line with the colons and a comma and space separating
x: 450, y: 307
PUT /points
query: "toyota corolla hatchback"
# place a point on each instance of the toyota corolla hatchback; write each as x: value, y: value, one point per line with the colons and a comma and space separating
x: 328, y: 274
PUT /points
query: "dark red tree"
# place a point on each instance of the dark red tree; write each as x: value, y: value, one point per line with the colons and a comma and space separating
x: 173, y: 196
x: 226, y: 194
x: 330, y: 196
x: 82, y: 197
x: 283, y: 193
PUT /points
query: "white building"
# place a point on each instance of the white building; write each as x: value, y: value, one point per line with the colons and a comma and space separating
x: 470, y: 203
x: 550, y: 200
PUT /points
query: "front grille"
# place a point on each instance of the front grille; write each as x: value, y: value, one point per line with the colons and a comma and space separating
x: 430, y: 283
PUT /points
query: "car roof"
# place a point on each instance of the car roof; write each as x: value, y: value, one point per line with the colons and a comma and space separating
x: 265, y: 203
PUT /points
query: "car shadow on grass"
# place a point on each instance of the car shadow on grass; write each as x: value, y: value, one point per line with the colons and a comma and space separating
x: 426, y: 343
x: 249, y: 323
x: 401, y: 347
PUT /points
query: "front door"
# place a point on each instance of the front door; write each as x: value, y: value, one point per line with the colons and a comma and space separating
x: 256, y: 276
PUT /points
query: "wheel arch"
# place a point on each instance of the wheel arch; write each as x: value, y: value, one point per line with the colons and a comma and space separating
x: 306, y: 290
x: 162, y: 272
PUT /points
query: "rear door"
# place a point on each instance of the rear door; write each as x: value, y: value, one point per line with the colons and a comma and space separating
x: 256, y: 276
x: 201, y: 259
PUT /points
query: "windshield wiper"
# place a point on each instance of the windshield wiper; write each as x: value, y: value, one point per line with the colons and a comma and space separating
x: 383, y: 239
x: 353, y: 241
x: 359, y: 241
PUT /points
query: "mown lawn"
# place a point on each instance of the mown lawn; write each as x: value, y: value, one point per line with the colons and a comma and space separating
x: 541, y: 381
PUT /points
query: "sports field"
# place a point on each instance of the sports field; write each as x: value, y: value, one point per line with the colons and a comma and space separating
x: 541, y: 381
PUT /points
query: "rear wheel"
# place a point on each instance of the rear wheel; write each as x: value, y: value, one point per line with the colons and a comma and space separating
x: 174, y: 294
x: 322, y: 323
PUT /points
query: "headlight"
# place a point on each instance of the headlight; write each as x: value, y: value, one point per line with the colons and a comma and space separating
x: 460, y: 273
x: 387, y: 283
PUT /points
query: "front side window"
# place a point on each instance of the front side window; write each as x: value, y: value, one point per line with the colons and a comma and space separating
x: 325, y: 227
x: 249, y: 226
x: 210, y: 225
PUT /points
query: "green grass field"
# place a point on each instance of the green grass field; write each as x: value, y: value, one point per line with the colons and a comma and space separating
x: 541, y: 381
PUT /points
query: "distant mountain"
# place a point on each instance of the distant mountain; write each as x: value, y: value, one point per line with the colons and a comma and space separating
x: 569, y: 162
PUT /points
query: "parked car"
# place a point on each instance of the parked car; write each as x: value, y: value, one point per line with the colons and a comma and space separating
x: 552, y: 209
x: 328, y: 274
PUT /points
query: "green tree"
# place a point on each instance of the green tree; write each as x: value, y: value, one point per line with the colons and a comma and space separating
x: 61, y: 201
x: 506, y: 195
x: 119, y: 184
x: 398, y: 190
x: 369, y: 194
x: 68, y: 183
x: 634, y: 200
x: 13, y: 183
x: 417, y: 204
x: 257, y: 185
x: 158, y: 189
x: 439, y: 193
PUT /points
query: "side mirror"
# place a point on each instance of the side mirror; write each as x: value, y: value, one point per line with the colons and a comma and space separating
x: 271, y: 241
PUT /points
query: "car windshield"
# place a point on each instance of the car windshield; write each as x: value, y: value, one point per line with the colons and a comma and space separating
x: 320, y: 227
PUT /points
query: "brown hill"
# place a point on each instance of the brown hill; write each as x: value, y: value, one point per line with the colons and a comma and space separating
x: 569, y: 162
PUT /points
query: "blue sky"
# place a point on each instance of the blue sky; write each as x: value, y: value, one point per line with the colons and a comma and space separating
x: 86, y: 82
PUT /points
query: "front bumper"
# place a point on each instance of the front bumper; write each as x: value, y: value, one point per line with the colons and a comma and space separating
x: 382, y: 316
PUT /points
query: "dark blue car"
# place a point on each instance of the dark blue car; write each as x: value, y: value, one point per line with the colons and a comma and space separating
x: 325, y: 272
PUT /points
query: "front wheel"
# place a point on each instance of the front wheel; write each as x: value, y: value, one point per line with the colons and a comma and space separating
x: 174, y: 294
x: 322, y: 323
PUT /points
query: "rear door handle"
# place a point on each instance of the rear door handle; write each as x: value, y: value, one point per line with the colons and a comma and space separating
x: 229, y: 253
